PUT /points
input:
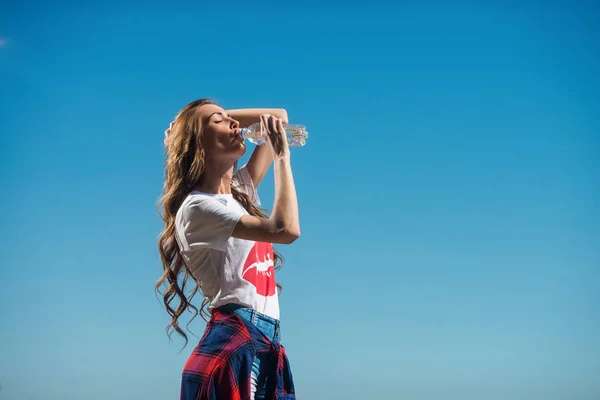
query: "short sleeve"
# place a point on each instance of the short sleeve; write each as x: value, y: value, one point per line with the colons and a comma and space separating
x: 243, y: 182
x: 206, y: 222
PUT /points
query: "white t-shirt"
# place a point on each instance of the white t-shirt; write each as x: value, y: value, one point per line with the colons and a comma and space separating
x: 229, y: 270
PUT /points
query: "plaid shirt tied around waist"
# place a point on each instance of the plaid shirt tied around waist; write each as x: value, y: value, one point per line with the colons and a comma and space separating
x: 220, y: 366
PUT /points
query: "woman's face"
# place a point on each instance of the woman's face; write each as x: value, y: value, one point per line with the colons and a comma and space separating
x: 221, y: 136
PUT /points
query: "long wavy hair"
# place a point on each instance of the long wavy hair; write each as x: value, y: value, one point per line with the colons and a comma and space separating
x: 185, y: 161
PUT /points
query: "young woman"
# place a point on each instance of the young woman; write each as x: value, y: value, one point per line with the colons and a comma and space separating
x: 216, y: 235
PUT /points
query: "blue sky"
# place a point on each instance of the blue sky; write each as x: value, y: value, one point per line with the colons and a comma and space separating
x: 449, y: 193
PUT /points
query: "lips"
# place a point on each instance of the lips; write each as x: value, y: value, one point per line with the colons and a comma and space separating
x: 259, y: 269
x: 237, y: 136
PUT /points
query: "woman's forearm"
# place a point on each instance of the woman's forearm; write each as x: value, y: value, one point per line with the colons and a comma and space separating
x: 285, y: 207
x: 249, y: 116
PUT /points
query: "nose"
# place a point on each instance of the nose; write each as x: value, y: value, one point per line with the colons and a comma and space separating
x: 234, y: 124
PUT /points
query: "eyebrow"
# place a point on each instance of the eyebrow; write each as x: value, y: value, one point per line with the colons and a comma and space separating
x: 218, y: 112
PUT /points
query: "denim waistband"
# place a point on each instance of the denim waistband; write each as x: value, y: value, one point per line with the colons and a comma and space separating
x: 267, y: 325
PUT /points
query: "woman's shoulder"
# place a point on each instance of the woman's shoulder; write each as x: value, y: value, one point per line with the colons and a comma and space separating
x: 193, y: 204
x: 210, y: 208
x: 197, y: 199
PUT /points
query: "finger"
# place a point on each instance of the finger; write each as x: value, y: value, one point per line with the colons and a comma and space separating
x: 264, y: 118
x: 277, y: 136
x: 272, y: 122
x: 263, y: 123
x: 280, y: 126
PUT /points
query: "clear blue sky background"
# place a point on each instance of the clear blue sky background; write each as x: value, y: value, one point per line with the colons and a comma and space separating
x: 449, y: 193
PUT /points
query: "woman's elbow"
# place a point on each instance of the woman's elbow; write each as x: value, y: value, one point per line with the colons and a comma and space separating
x: 292, y: 235
x: 288, y: 235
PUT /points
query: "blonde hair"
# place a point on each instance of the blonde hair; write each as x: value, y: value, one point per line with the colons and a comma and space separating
x: 183, y: 170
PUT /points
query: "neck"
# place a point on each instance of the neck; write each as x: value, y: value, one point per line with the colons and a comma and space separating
x: 216, y: 178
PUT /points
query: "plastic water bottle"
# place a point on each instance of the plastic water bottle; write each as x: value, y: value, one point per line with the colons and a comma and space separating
x: 296, y: 134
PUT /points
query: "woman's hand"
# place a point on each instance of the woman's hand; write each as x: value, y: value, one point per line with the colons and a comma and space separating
x: 274, y: 135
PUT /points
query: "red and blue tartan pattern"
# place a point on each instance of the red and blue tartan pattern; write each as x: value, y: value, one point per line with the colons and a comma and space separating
x: 220, y: 366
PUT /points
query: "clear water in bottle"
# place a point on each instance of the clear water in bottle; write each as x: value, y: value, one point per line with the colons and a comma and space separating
x: 296, y: 134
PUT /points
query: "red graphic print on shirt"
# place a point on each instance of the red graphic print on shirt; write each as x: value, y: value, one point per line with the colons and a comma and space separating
x: 259, y: 269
